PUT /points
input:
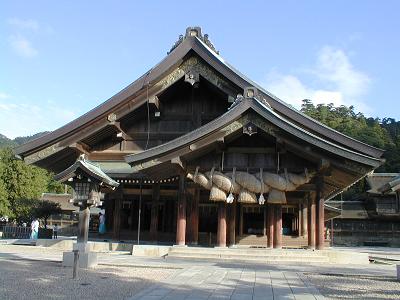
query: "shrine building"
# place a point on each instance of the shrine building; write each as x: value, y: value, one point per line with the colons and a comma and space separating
x: 205, y: 156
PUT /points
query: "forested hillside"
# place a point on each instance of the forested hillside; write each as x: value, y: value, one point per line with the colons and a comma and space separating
x: 384, y: 134
x: 6, y: 142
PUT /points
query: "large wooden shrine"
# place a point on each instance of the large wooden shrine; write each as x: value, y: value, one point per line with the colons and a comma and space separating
x: 205, y: 156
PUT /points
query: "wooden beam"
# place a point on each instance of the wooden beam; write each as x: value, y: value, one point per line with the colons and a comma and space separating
x: 42, y: 154
x: 178, y: 161
x: 306, y: 187
x: 148, y: 192
x: 154, y: 101
x: 80, y: 147
x: 252, y: 150
x: 217, y: 138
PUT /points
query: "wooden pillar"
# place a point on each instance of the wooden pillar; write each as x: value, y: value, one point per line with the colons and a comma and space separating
x: 181, y: 213
x: 221, y: 233
x: 117, y: 216
x: 109, y: 210
x: 278, y: 227
x: 270, y: 227
x: 164, y: 214
x: 320, y: 221
x: 311, y: 221
x: 192, y: 217
x: 299, y: 218
x: 154, y: 211
x: 195, y: 217
x: 232, y: 224
x: 304, y: 220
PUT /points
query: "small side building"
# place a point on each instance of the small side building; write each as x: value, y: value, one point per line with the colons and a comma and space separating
x: 373, y: 219
x: 69, y: 213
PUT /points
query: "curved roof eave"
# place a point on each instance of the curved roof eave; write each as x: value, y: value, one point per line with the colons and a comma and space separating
x: 356, y: 144
x: 265, y: 112
x: 106, y: 107
x: 216, y: 61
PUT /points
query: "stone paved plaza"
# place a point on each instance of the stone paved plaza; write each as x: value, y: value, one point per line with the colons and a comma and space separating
x: 39, y: 275
x: 231, y: 283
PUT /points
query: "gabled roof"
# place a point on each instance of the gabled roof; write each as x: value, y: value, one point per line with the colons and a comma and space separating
x: 383, y: 182
x: 200, y: 45
x: 390, y: 187
x: 89, y: 168
x: 240, y: 107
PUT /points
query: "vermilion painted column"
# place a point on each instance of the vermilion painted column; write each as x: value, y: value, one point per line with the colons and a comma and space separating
x: 221, y: 234
x: 278, y: 227
x: 320, y: 222
x: 192, y: 217
x: 181, y: 213
x: 304, y: 220
x: 270, y: 225
x: 311, y: 221
x: 195, y: 217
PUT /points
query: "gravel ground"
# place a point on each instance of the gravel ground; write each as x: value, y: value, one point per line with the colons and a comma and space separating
x: 25, y: 279
x: 334, y: 286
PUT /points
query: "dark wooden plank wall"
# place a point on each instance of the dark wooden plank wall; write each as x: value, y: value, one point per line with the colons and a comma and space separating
x: 183, y: 109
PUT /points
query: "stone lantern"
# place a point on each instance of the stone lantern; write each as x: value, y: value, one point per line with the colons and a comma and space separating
x: 86, y: 180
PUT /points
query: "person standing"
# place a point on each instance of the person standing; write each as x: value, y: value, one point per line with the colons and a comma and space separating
x: 55, y: 231
x: 34, y: 229
x: 102, y: 223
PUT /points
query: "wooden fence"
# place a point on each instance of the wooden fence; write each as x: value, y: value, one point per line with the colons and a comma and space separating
x: 16, y: 232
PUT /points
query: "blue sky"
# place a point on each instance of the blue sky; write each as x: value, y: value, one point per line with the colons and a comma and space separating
x: 59, y: 59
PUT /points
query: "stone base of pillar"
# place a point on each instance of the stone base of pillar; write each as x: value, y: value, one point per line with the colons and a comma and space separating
x: 179, y: 246
x: 87, y: 259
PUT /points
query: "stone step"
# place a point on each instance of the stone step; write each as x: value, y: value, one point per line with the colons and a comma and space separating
x: 22, y: 242
x: 253, y: 258
x: 243, y: 251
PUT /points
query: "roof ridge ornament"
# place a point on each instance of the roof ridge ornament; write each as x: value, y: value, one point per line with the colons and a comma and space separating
x: 250, y: 93
x: 194, y: 32
x: 239, y: 98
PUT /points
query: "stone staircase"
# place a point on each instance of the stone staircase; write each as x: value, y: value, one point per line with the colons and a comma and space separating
x: 246, y: 254
x: 287, y: 241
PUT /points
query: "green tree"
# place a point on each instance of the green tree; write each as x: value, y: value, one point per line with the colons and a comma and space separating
x: 24, y: 209
x: 44, y: 209
x: 21, y: 181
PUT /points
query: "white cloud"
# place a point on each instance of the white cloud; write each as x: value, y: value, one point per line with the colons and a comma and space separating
x: 24, y: 24
x: 22, y: 119
x: 4, y: 95
x: 334, y: 80
x: 22, y: 46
